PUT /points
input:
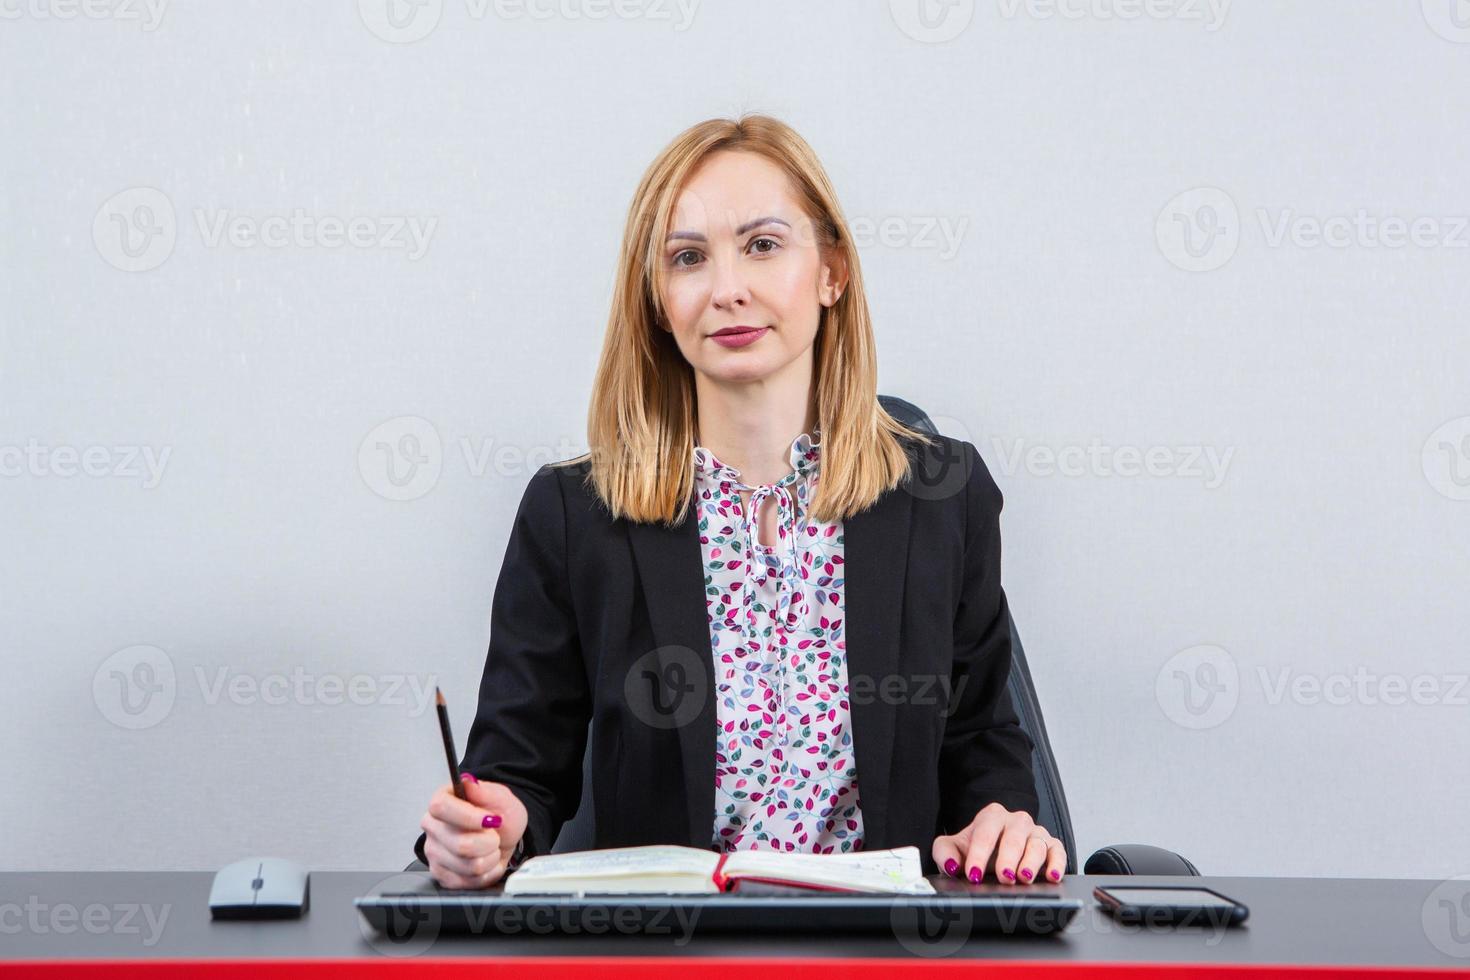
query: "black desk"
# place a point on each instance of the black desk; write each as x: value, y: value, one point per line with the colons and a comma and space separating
x: 141, y: 924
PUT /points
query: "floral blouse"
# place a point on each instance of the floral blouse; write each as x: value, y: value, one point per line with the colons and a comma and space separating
x: 785, y: 775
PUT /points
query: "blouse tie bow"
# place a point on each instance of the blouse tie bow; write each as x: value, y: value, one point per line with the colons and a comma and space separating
x: 781, y: 561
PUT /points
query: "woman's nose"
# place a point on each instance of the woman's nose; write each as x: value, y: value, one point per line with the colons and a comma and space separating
x: 729, y: 288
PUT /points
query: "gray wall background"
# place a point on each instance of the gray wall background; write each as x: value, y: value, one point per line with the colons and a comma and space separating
x: 1192, y: 278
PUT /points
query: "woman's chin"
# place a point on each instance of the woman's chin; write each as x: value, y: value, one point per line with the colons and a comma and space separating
x: 739, y: 370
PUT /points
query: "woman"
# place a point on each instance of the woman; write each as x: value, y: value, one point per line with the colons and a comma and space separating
x: 779, y: 608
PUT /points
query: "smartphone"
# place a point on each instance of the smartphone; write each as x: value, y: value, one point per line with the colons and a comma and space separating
x: 1170, y: 905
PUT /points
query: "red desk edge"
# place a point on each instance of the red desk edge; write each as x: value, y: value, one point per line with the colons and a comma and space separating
x: 682, y: 968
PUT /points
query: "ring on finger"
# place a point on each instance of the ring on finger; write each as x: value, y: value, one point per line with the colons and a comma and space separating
x: 1045, y: 842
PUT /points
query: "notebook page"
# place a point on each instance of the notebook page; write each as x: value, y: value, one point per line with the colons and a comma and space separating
x: 617, y: 862
x: 895, y: 870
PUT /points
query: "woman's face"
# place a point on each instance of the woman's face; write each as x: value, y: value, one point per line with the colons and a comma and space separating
x: 741, y: 253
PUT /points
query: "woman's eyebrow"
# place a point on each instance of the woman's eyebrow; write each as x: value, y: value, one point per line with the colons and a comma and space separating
x: 695, y: 236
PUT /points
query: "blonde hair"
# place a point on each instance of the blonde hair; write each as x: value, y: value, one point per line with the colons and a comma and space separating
x: 641, y: 418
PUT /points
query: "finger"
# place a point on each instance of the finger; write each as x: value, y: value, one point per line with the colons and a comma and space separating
x: 984, y: 833
x: 471, y: 842
x: 467, y: 852
x: 1012, y: 843
x: 449, y: 857
x: 462, y: 844
x: 500, y: 800
x: 1029, y: 866
x: 448, y: 879
x: 491, y: 795
x: 442, y: 865
x: 451, y: 879
x: 1056, y: 861
x: 948, y: 851
x: 461, y: 813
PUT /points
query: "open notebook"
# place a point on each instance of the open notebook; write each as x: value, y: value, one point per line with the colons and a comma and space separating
x: 676, y: 869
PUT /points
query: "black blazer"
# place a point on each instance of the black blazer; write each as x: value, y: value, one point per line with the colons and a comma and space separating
x: 604, y: 621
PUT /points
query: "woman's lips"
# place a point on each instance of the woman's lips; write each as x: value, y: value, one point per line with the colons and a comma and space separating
x: 743, y: 338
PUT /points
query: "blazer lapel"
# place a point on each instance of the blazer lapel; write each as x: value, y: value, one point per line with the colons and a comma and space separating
x: 875, y: 545
x: 671, y: 567
x: 875, y: 555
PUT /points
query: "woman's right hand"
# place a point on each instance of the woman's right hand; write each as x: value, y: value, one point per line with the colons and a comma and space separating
x: 469, y: 843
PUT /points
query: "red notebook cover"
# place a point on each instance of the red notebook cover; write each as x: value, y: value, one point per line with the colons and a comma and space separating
x: 728, y: 884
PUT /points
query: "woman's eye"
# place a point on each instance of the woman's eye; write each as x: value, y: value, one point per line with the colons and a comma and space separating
x: 678, y: 259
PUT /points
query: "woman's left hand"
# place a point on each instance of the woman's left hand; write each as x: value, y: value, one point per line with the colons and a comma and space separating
x: 1008, y: 844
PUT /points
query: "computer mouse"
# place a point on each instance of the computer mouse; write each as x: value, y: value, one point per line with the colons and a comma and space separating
x: 260, y: 888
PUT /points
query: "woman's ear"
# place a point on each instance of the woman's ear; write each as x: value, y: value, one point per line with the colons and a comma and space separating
x: 834, y: 278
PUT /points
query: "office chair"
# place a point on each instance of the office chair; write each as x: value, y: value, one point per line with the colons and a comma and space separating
x: 1114, y: 859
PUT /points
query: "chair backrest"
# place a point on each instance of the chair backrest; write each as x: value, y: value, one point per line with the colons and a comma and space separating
x: 576, y: 834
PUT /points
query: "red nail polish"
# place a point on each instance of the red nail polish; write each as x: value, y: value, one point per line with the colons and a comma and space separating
x: 951, y: 866
x: 1026, y: 873
x: 468, y: 777
x: 491, y: 820
x: 1009, y: 874
x: 1056, y: 876
x: 975, y: 875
